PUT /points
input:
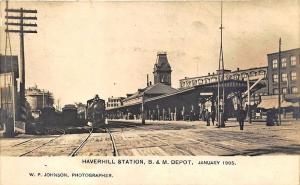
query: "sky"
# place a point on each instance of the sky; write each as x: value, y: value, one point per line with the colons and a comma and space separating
x: 85, y: 48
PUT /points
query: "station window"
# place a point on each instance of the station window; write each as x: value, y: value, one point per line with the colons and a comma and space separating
x: 284, y: 90
x: 244, y: 75
x: 194, y: 82
x: 253, y: 73
x: 283, y: 62
x: 207, y: 80
x: 200, y: 81
x: 294, y: 90
x: 293, y: 75
x: 284, y: 77
x: 275, y: 63
x: 236, y: 76
x: 275, y: 78
x: 275, y: 91
x: 293, y: 60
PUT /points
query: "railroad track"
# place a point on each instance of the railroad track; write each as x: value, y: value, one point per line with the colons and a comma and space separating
x: 75, y: 152
x: 40, y: 146
x: 114, y: 147
x: 23, y: 142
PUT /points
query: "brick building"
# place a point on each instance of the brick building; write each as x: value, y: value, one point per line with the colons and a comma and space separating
x: 289, y: 72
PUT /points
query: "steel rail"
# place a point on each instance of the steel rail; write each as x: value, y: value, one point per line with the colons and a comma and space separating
x: 114, y: 147
x: 41, y: 145
x: 75, y: 152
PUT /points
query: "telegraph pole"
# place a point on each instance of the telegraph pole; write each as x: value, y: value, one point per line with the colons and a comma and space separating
x: 20, y: 15
x: 220, y: 113
x: 279, y: 81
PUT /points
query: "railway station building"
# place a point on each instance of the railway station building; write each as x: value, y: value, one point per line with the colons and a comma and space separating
x: 163, y: 102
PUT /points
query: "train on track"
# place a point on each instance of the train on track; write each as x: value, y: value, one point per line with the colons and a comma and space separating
x: 71, y: 117
x: 95, y: 111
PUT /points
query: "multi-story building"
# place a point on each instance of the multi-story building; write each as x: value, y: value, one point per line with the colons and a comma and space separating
x: 113, y: 102
x: 38, y: 99
x: 9, y: 64
x: 253, y: 74
x: 289, y: 72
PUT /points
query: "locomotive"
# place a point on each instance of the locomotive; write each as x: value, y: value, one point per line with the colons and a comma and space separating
x: 95, y: 111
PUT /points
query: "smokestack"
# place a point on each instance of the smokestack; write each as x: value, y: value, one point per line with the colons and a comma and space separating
x: 147, y: 80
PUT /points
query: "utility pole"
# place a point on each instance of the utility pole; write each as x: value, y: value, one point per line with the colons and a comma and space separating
x: 249, y: 100
x: 20, y: 27
x: 220, y: 113
x: 279, y: 81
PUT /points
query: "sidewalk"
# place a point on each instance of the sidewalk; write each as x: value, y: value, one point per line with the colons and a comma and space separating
x: 229, y: 122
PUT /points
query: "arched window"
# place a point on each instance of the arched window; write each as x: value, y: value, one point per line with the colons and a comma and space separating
x: 244, y: 75
x: 200, y: 81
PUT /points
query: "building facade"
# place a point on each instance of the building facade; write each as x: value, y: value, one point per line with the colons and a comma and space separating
x: 38, y: 99
x: 162, y: 69
x: 289, y: 72
x: 113, y: 102
x: 254, y: 74
x: 9, y: 64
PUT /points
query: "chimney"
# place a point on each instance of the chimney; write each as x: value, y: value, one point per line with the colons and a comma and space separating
x: 150, y: 83
x: 208, y: 74
x: 238, y: 69
x: 147, y: 80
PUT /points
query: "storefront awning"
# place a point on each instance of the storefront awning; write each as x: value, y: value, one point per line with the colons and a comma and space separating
x: 273, y: 103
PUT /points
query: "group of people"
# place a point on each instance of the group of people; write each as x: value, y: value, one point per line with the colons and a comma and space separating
x: 209, y: 115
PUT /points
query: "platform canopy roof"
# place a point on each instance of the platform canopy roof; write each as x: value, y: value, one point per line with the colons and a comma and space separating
x: 229, y: 86
x: 153, y: 90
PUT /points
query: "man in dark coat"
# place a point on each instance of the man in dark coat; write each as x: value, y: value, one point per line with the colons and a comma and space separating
x: 213, y: 116
x: 241, y: 115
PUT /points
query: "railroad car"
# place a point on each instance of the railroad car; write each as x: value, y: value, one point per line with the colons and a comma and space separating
x: 49, y: 116
x: 95, y: 111
x: 69, y: 115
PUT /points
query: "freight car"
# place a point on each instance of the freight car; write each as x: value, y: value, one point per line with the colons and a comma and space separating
x: 50, y: 117
x: 69, y: 115
x: 95, y: 111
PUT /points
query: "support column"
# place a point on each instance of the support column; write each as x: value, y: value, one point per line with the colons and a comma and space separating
x: 175, y: 114
x: 183, y: 113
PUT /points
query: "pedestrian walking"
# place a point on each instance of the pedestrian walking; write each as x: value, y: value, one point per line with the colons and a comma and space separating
x: 269, y: 120
x: 213, y: 116
x: 241, y: 116
x: 207, y: 118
